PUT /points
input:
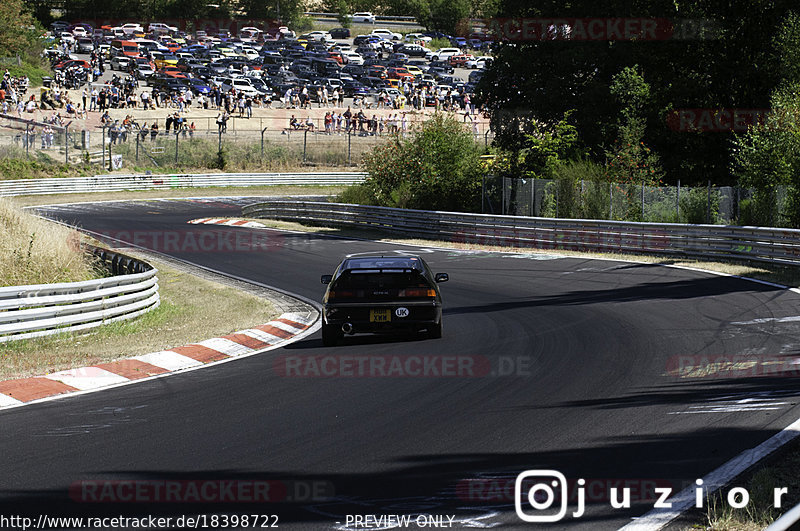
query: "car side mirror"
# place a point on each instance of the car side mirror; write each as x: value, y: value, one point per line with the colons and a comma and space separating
x: 326, y: 279
x: 441, y: 277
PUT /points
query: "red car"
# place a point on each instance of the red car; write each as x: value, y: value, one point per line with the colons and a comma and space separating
x: 400, y: 73
x: 70, y: 63
x: 173, y: 71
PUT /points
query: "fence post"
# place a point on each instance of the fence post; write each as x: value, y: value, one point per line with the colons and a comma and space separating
x: 483, y: 194
x: 533, y: 197
x: 503, y: 197
x: 349, y: 149
x: 305, y: 139
x: 66, y: 145
x: 708, y: 211
x: 219, y: 150
x: 610, y: 201
x: 262, y: 141
x: 177, y: 136
x: 27, y: 140
x: 137, y: 146
x: 678, y: 202
x: 103, y: 148
x: 643, y: 201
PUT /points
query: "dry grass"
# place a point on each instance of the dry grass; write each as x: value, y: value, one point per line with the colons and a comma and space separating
x: 777, y: 471
x: 788, y: 276
x: 32, y: 200
x: 34, y: 251
x: 192, y: 309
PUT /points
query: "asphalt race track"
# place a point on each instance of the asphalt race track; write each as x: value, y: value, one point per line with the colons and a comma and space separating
x: 569, y: 366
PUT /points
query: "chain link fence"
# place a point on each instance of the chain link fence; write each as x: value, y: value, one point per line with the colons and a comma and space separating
x: 629, y: 202
x: 201, y: 143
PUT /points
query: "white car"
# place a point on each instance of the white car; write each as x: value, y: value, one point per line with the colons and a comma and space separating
x: 131, y: 28
x: 414, y: 37
x: 442, y: 54
x: 161, y: 28
x: 386, y: 34
x: 353, y: 58
x: 320, y: 36
x: 242, y: 86
x: 79, y: 31
x: 67, y: 37
x: 250, y: 53
x: 364, y: 17
x: 479, y: 62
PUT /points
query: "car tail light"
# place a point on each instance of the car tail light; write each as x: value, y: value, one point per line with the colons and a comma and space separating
x: 341, y: 294
x: 416, y: 292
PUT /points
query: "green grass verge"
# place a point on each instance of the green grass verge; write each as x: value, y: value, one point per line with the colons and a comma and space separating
x: 192, y: 309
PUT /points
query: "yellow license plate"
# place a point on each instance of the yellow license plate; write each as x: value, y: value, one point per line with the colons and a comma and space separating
x: 380, y: 316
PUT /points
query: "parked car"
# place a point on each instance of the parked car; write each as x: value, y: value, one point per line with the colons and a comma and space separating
x: 386, y: 34
x: 340, y: 33
x: 85, y: 45
x: 479, y: 62
x: 442, y: 54
x: 378, y: 294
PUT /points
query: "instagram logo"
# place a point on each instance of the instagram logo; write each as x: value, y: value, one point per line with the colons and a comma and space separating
x: 542, y: 488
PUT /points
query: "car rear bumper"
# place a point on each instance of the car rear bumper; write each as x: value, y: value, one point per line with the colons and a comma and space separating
x: 402, y: 315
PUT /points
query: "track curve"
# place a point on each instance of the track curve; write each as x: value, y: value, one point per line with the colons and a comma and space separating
x: 591, y: 343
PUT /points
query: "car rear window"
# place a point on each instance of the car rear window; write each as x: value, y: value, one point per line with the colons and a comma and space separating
x: 370, y: 278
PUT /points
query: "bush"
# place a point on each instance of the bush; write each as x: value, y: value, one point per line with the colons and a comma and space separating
x: 357, y: 194
x: 437, y: 168
x: 694, y: 206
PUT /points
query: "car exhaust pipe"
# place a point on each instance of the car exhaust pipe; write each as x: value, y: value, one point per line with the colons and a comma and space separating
x: 347, y: 328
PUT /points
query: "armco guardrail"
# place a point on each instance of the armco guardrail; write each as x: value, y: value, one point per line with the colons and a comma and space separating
x: 705, y: 241
x: 790, y: 520
x: 45, y: 309
x: 113, y: 183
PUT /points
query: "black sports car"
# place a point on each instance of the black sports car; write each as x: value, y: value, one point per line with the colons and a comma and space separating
x: 369, y: 293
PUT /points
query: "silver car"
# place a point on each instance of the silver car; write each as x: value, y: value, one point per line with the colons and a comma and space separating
x: 85, y: 45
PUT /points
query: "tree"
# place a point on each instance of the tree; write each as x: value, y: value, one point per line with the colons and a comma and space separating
x: 447, y: 16
x: 437, y: 168
x: 18, y: 30
x: 768, y: 155
x: 731, y: 63
x: 630, y: 161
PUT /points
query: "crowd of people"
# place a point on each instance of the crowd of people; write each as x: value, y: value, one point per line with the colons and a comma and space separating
x: 347, y: 122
